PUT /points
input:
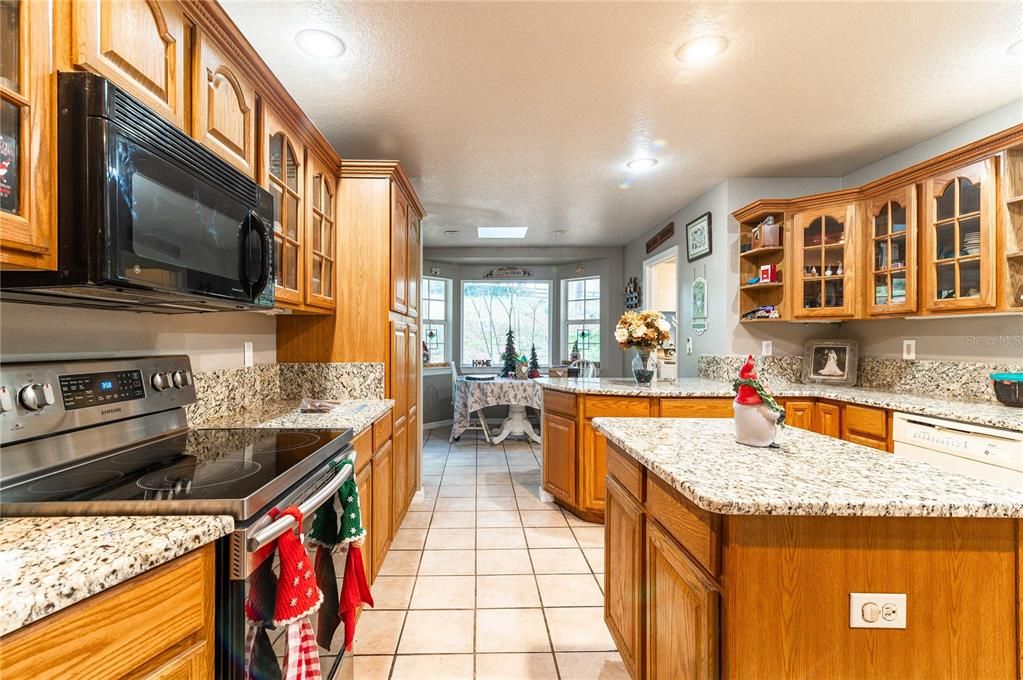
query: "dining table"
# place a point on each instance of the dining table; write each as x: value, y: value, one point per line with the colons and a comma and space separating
x: 471, y: 395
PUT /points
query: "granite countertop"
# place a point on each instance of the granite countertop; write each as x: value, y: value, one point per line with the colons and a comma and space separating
x: 811, y: 474
x: 48, y: 563
x: 358, y: 414
x: 991, y: 414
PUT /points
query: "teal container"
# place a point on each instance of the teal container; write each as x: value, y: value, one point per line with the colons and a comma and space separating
x: 1008, y: 388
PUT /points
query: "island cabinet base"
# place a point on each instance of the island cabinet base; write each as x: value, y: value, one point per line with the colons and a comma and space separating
x: 693, y: 595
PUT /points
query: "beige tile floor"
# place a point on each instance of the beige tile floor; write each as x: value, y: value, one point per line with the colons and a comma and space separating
x: 485, y: 581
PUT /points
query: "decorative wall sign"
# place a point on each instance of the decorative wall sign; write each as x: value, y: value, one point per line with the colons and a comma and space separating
x: 434, y: 271
x: 632, y: 296
x: 579, y: 270
x: 699, y: 300
x: 698, y: 242
x: 662, y: 236
x: 508, y: 273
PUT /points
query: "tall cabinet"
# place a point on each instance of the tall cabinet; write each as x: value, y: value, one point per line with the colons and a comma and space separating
x: 377, y: 288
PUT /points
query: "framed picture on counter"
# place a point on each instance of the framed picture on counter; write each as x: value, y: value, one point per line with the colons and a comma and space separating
x: 830, y: 362
x: 698, y: 242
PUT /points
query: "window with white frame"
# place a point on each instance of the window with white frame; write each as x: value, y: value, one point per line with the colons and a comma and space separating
x: 582, y: 317
x: 436, y: 318
x: 490, y: 308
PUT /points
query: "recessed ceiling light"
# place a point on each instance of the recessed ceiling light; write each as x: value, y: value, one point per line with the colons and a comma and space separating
x: 452, y: 233
x: 641, y: 164
x: 559, y: 233
x: 501, y: 232
x: 702, y: 49
x: 319, y: 43
x: 1016, y: 49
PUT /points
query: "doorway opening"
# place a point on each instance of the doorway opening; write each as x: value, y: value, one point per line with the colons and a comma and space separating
x: 660, y: 284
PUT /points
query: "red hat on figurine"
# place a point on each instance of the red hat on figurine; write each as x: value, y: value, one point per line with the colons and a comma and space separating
x: 746, y: 395
x: 298, y: 596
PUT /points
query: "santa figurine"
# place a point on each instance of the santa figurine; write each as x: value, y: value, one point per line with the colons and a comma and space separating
x: 757, y: 414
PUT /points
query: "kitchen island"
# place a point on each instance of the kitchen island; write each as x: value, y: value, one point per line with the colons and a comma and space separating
x: 575, y: 458
x: 729, y: 561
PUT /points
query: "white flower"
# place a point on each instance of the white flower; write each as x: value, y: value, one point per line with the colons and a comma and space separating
x: 663, y: 325
x: 621, y: 334
x: 638, y: 332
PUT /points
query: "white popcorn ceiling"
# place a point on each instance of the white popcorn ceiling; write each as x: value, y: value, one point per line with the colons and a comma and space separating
x: 524, y: 114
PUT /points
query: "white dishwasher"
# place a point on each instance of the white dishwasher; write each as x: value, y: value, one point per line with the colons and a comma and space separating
x: 985, y: 452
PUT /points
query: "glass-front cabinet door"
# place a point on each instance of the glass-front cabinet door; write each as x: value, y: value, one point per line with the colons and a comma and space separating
x: 891, y: 255
x: 285, y: 159
x: 28, y: 208
x: 322, y: 242
x: 824, y: 250
x: 959, y: 238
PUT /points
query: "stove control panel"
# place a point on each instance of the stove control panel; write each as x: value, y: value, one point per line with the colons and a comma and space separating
x: 45, y: 398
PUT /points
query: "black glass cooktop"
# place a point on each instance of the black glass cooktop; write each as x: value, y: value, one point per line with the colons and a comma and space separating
x: 225, y: 471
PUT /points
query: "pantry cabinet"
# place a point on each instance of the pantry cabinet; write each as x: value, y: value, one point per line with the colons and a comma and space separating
x: 825, y: 261
x: 28, y: 209
x: 224, y: 106
x: 959, y: 243
x: 891, y: 231
x: 139, y: 45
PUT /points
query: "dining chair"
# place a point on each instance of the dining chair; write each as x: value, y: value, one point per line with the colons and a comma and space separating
x: 585, y: 368
x: 455, y: 373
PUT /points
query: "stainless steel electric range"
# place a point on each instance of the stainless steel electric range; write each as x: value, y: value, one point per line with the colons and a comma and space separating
x: 110, y: 437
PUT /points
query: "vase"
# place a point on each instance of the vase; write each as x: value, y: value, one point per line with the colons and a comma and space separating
x: 644, y: 366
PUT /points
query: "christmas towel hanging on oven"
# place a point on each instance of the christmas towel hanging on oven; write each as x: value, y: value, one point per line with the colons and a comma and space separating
x: 298, y: 598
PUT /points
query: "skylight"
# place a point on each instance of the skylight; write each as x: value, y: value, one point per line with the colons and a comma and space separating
x: 501, y: 232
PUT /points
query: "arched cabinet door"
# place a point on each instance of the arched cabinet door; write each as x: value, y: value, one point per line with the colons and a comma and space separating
x: 321, y: 244
x: 224, y: 105
x: 824, y: 245
x: 140, y: 46
x: 959, y: 238
x: 285, y: 180
x: 891, y: 233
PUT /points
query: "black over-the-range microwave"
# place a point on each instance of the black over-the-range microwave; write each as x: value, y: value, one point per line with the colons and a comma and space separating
x: 148, y: 218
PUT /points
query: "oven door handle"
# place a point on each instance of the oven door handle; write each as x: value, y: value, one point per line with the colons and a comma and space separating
x: 287, y: 522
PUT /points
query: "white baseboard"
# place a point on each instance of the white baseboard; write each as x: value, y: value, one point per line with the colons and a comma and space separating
x: 439, y: 423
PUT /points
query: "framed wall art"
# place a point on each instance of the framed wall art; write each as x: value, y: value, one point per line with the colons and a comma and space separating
x: 698, y: 239
x: 830, y: 362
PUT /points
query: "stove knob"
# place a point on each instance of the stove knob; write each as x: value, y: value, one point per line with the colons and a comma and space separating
x: 36, y: 397
x: 161, y: 381
x: 182, y: 379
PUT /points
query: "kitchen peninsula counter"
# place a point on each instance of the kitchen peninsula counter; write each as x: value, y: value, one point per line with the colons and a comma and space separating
x: 730, y: 561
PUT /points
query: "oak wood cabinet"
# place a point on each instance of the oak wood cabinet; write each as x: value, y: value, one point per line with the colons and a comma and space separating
x: 891, y: 260
x: 959, y: 243
x: 827, y: 419
x: 413, y: 263
x: 321, y: 236
x: 380, y: 539
x: 824, y: 248
x: 28, y: 211
x: 559, y: 457
x: 141, y: 46
x: 799, y: 414
x: 224, y: 104
x: 364, y: 481
x: 399, y: 253
x: 624, y: 587
x: 156, y: 625
x: 285, y: 180
x: 413, y: 365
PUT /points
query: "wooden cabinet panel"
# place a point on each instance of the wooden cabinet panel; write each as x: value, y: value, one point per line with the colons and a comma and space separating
x: 321, y: 239
x: 559, y: 452
x: 285, y: 180
x: 627, y: 471
x: 140, y: 46
x: 381, y: 431
x: 681, y: 613
x: 864, y: 420
x: 592, y: 470
x: 363, y: 445
x: 697, y: 408
x: 624, y: 407
x: 382, y: 471
x: 959, y: 241
x: 799, y: 414
x: 399, y: 251
x: 365, y: 484
x: 825, y: 257
x: 224, y: 107
x: 890, y: 274
x: 560, y: 402
x: 414, y: 361
x: 414, y: 263
x: 159, y: 623
x: 827, y: 419
x: 623, y: 575
x: 399, y: 372
x: 399, y: 475
x: 698, y: 530
x: 28, y: 212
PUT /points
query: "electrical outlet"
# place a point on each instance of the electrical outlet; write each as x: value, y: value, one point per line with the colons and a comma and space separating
x: 877, y: 610
x: 767, y: 348
x: 247, y: 358
x: 909, y: 350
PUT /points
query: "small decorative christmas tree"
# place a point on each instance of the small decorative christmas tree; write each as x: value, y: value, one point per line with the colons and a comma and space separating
x: 510, y: 357
x: 574, y: 356
x: 534, y: 363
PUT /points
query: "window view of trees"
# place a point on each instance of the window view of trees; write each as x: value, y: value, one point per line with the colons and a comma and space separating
x: 489, y: 308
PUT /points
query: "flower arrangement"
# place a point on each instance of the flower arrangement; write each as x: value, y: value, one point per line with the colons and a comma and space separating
x: 645, y: 331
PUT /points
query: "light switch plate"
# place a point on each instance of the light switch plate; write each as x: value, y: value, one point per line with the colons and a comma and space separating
x: 767, y: 348
x: 909, y: 350
x: 247, y: 358
x: 877, y: 610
